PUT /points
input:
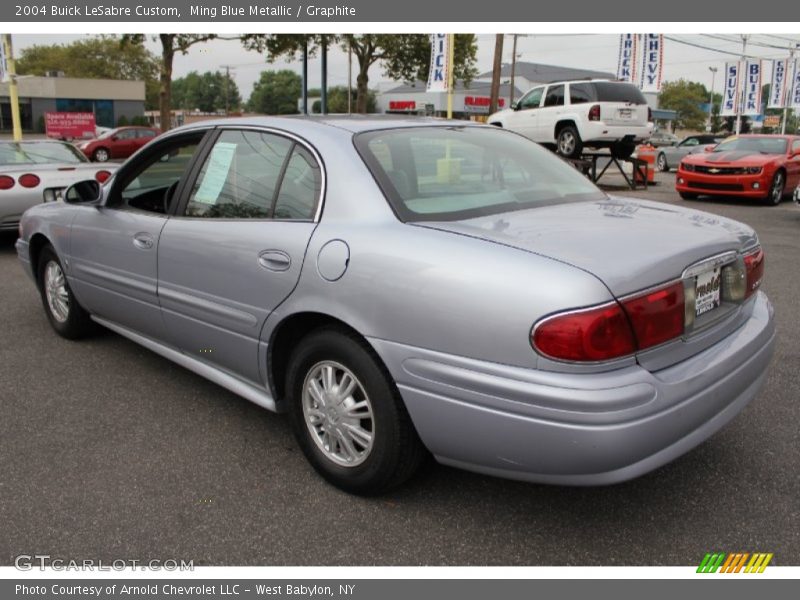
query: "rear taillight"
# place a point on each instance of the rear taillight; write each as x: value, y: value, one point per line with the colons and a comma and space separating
x: 613, y: 330
x: 754, y: 267
x: 102, y: 176
x: 29, y: 180
x: 594, y: 334
x: 594, y: 113
x: 656, y: 316
x: 6, y: 182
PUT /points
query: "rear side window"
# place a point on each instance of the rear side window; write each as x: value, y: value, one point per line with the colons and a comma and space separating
x: 581, y: 93
x: 300, y: 187
x: 146, y: 133
x: 555, y: 96
x: 611, y: 91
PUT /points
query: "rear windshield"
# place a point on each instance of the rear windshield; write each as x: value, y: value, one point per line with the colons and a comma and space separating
x: 21, y: 153
x: 454, y: 173
x: 609, y: 91
x: 763, y: 145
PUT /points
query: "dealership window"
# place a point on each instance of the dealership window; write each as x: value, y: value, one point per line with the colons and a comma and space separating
x: 25, y: 115
x: 103, y: 109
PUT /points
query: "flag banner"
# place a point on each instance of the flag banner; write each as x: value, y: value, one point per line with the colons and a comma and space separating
x: 752, y: 87
x: 439, y: 74
x: 794, y: 98
x: 778, y: 83
x: 626, y: 65
x: 3, y: 61
x: 652, y: 62
x: 730, y: 91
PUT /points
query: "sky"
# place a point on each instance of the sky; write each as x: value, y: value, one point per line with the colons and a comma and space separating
x: 687, y: 56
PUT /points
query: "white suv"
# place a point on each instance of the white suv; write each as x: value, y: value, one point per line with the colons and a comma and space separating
x: 571, y: 115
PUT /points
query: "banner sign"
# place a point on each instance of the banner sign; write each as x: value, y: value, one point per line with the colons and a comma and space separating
x: 3, y: 59
x: 652, y: 62
x: 794, y: 98
x: 730, y: 91
x: 777, y: 86
x: 69, y: 125
x: 626, y: 65
x: 439, y: 73
x: 752, y: 88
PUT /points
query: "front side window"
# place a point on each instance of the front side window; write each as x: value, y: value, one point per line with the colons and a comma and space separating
x: 453, y: 173
x: 146, y: 133
x: 532, y: 99
x: 690, y: 142
x: 256, y: 175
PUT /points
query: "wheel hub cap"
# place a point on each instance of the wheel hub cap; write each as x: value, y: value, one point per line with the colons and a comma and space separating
x: 55, y: 288
x: 338, y: 413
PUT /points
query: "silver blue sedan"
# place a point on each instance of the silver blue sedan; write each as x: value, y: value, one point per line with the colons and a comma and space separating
x: 411, y: 287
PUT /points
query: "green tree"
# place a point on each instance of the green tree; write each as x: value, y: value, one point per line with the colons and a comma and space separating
x: 94, y: 58
x: 171, y: 43
x: 337, y: 100
x: 275, y: 93
x: 209, y: 92
x: 685, y: 97
x: 403, y: 56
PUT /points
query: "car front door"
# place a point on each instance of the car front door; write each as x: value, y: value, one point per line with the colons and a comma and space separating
x: 114, y: 246
x: 234, y: 250
x: 523, y: 119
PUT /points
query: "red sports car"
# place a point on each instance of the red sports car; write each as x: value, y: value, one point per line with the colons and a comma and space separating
x: 750, y: 166
x: 117, y: 143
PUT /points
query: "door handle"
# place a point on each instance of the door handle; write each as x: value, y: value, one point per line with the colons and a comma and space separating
x: 143, y: 241
x: 275, y: 260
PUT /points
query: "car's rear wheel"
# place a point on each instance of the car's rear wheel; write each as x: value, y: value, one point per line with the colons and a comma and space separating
x: 622, y: 150
x: 348, y: 416
x: 568, y: 142
x: 777, y: 189
x: 687, y: 196
x: 661, y: 163
x: 68, y: 318
x: 101, y: 155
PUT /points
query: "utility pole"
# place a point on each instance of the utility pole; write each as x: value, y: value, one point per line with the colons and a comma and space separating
x: 305, y: 78
x: 711, y: 98
x: 788, y: 92
x: 742, y: 65
x: 513, y: 68
x: 13, y: 94
x: 451, y: 78
x: 227, y: 80
x: 496, y: 69
x: 349, y: 76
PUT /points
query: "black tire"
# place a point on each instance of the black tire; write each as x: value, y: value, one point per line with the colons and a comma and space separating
x: 661, y: 162
x: 777, y: 189
x: 568, y: 142
x: 622, y: 150
x: 101, y: 155
x: 396, y: 451
x: 687, y: 196
x: 75, y: 322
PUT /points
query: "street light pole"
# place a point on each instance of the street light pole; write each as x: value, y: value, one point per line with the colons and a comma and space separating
x: 513, y: 68
x: 787, y: 93
x: 711, y: 98
x: 740, y: 92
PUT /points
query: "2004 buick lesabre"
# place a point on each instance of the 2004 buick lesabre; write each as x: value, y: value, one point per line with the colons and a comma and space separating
x: 402, y: 287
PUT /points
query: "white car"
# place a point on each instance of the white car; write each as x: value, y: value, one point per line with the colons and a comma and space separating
x: 571, y: 115
x: 797, y: 195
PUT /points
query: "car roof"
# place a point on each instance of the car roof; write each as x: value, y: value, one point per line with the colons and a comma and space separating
x: 350, y: 123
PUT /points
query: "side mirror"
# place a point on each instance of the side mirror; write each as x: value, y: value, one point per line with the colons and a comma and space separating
x: 114, y: 138
x: 675, y: 143
x: 796, y: 153
x: 709, y: 148
x: 515, y: 105
x: 83, y: 192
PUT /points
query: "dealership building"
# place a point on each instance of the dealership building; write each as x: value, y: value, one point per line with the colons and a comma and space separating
x: 108, y: 99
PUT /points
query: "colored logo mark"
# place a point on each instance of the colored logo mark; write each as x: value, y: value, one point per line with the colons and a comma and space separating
x: 743, y: 562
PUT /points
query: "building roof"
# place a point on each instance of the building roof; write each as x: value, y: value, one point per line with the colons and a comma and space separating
x: 539, y: 73
x: 479, y: 88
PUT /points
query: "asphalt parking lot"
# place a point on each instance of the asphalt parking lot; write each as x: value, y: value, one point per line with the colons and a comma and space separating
x: 107, y: 451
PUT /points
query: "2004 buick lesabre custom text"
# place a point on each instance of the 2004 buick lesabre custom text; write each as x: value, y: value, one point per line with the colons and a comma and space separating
x: 402, y: 287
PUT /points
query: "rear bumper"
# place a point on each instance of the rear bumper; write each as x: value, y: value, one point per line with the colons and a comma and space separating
x: 744, y: 186
x: 599, y: 131
x: 578, y: 429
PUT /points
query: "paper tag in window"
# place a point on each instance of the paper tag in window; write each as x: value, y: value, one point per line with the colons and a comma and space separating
x: 216, y: 173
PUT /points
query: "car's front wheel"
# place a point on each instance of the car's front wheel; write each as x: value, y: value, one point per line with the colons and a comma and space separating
x: 661, y: 163
x: 569, y: 143
x: 348, y: 416
x: 777, y: 189
x: 101, y: 155
x: 66, y: 316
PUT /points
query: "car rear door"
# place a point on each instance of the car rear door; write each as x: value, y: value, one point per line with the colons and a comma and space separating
x: 234, y: 249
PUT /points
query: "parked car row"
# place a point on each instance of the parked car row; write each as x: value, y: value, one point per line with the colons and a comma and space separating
x: 411, y: 287
x: 117, y: 143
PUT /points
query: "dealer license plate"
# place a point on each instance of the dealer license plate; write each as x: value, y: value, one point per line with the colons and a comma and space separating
x: 625, y: 113
x: 707, y: 288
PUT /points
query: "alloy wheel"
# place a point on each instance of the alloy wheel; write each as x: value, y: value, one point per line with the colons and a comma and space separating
x: 55, y: 288
x: 566, y: 143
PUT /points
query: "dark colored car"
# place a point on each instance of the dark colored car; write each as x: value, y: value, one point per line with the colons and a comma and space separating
x: 751, y: 166
x: 117, y: 143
